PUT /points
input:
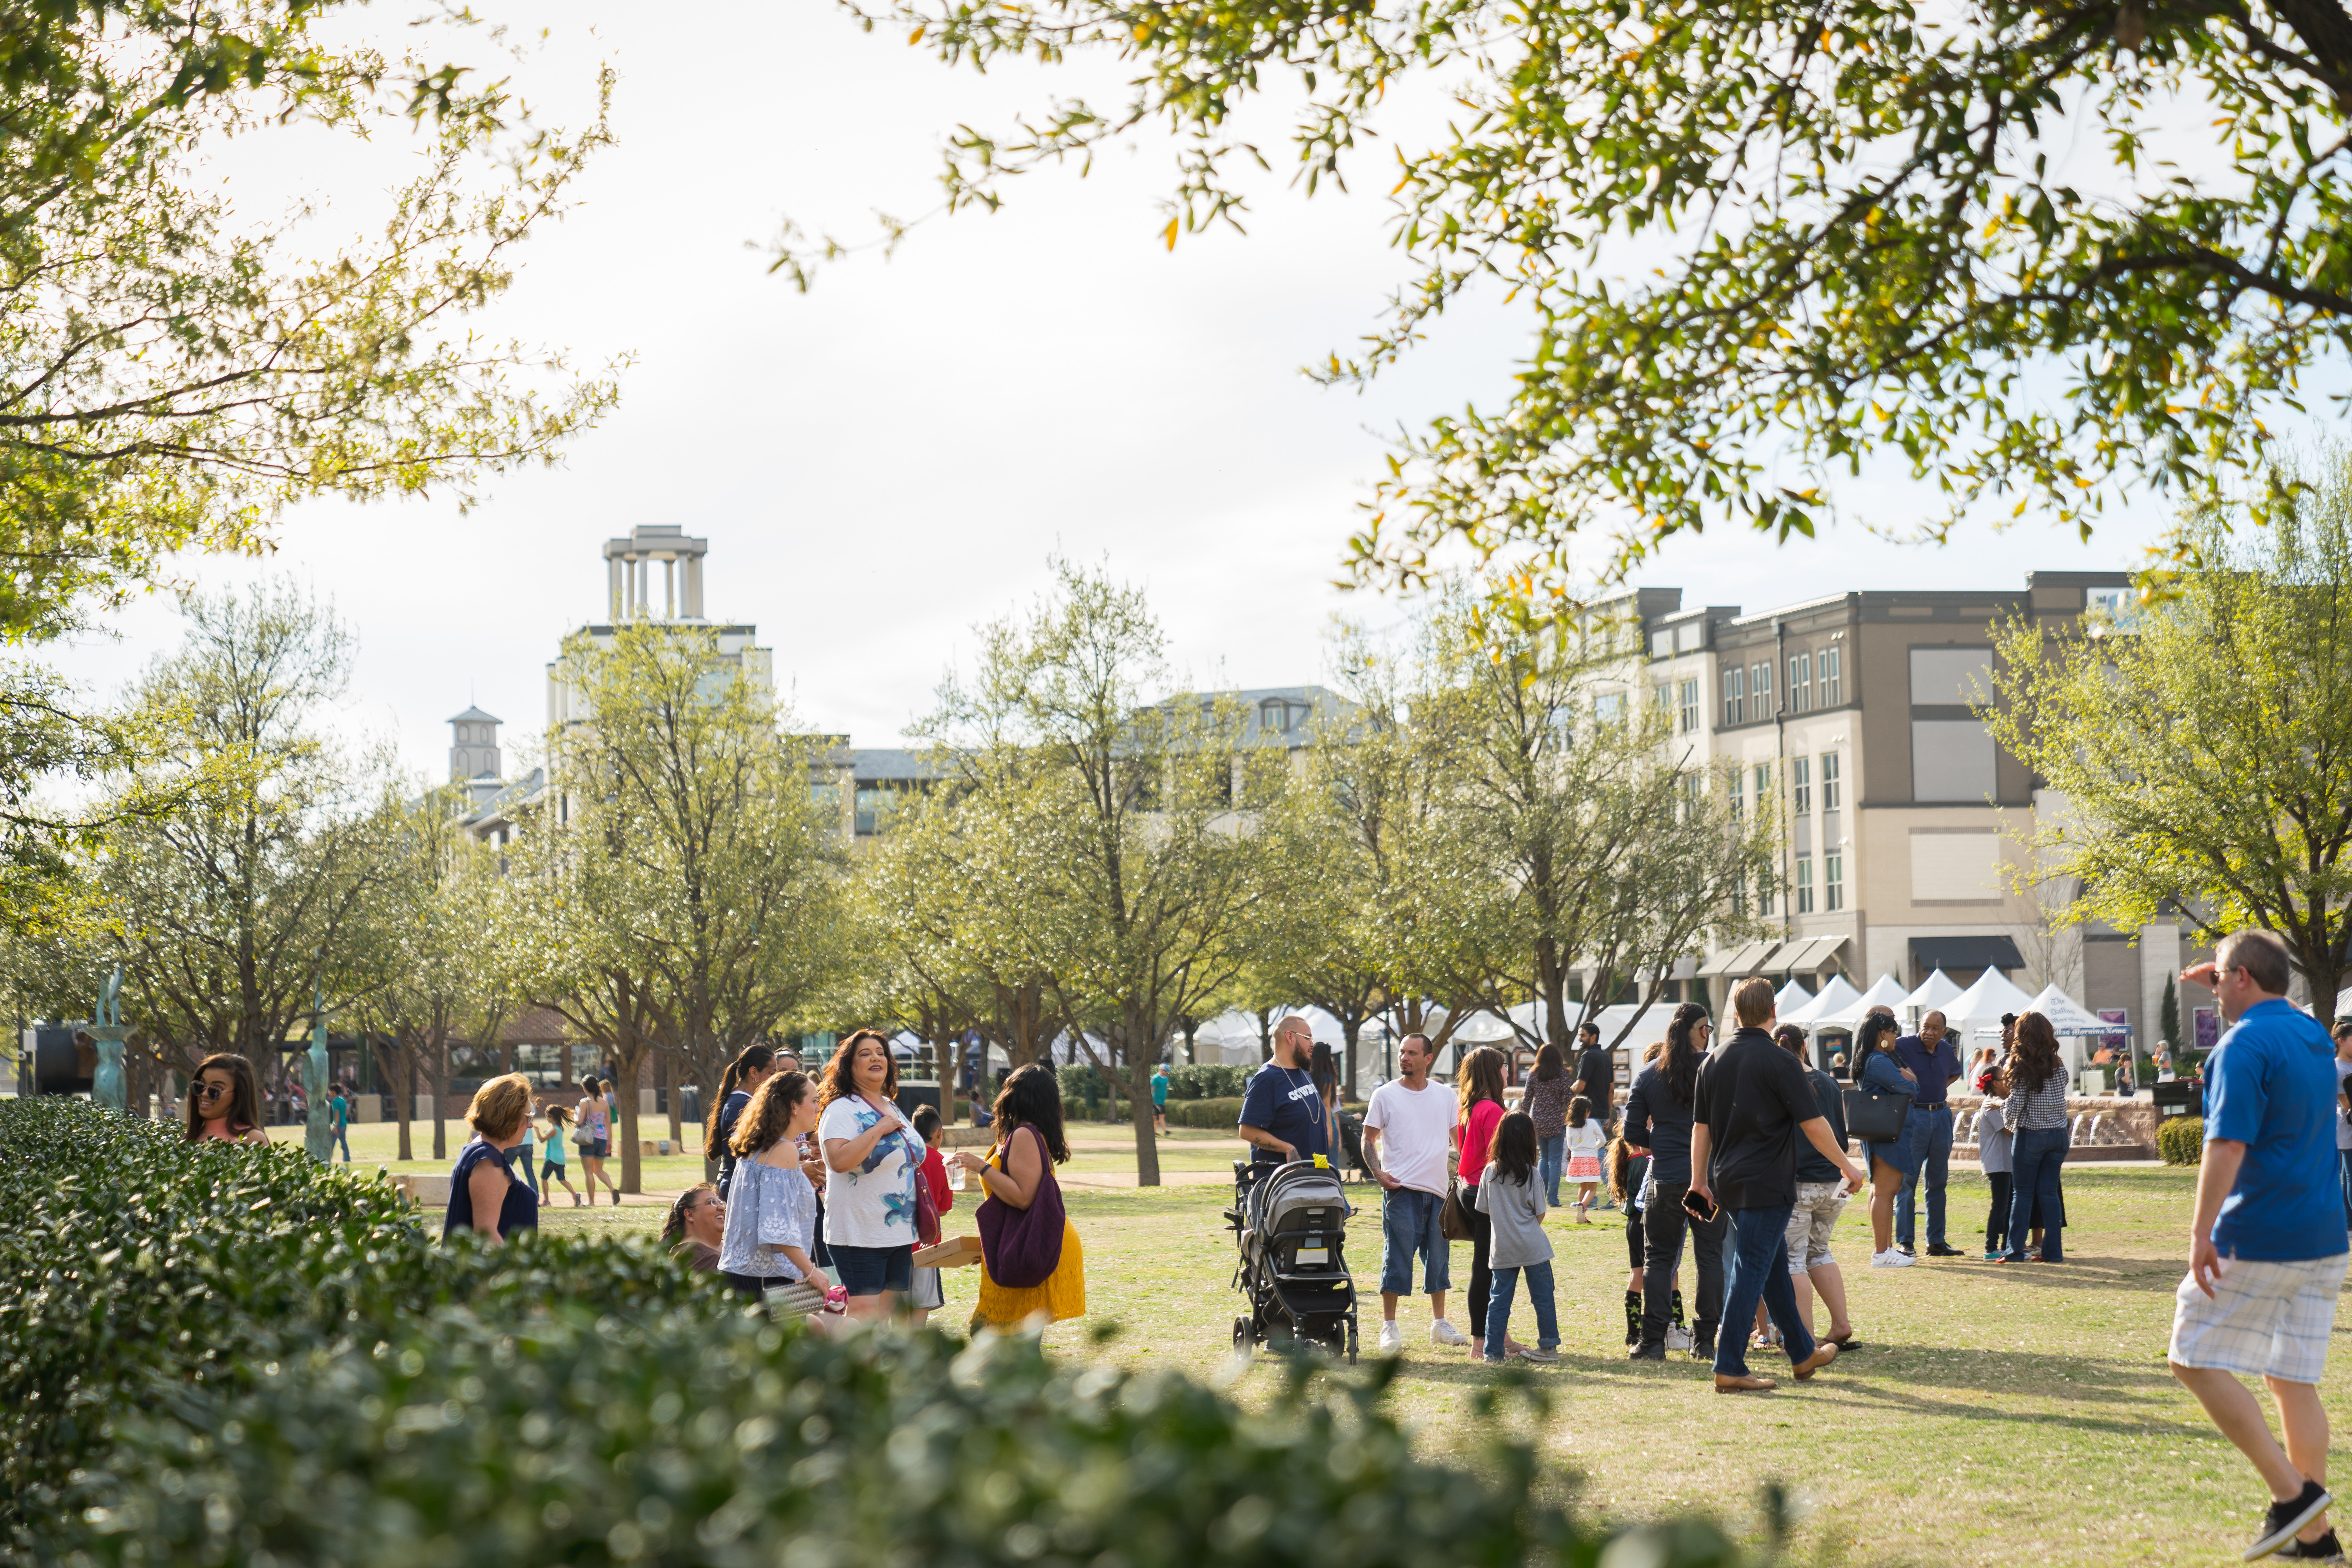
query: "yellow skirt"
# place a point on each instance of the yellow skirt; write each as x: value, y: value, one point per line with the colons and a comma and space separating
x: 1061, y: 1297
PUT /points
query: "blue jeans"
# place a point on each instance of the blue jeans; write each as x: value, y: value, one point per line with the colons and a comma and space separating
x: 1499, y: 1309
x: 529, y: 1167
x: 1408, y: 1223
x: 2344, y: 1159
x: 343, y: 1138
x: 1929, y: 1128
x: 1759, y: 1271
x: 1550, y: 1159
x: 2039, y: 1155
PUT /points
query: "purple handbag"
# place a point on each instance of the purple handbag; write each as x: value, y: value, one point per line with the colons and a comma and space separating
x: 1024, y: 1247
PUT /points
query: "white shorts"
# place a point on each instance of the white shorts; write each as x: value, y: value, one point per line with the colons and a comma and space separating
x: 1812, y: 1222
x: 2263, y: 1319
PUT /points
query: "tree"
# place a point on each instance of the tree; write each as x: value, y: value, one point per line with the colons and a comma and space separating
x: 231, y: 908
x: 1130, y: 877
x: 2038, y: 255
x: 423, y: 976
x: 172, y: 375
x: 2204, y: 748
x: 2167, y: 1016
x: 694, y: 879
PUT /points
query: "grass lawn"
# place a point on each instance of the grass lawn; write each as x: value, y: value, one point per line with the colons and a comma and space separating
x: 1993, y: 1414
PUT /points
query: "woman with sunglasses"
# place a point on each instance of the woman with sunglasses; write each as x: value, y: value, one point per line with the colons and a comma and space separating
x: 224, y: 1101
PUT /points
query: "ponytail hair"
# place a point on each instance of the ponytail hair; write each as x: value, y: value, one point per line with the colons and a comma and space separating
x: 749, y: 1060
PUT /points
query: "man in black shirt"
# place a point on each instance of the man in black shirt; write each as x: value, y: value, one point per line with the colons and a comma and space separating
x: 1751, y: 1104
x: 1596, y: 1075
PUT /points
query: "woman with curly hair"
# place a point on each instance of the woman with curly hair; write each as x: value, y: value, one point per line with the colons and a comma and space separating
x: 1893, y: 1162
x: 875, y: 1158
x: 2037, y: 1152
x: 770, y: 1209
x: 695, y: 1226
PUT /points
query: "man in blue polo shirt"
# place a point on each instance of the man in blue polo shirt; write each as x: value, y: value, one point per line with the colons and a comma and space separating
x: 1935, y: 1062
x: 2267, y: 1245
x: 1282, y: 1112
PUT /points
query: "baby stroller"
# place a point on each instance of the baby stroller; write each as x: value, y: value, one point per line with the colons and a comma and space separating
x: 1290, y: 1224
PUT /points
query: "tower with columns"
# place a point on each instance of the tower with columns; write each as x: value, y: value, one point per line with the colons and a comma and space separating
x: 474, y: 745
x: 630, y: 564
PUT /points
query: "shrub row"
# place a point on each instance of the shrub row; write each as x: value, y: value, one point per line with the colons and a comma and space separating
x: 2180, y: 1139
x: 1208, y: 1080
x: 228, y: 1356
x: 1218, y: 1113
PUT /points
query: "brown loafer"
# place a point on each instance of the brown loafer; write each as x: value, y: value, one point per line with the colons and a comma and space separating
x: 1750, y: 1384
x: 1823, y: 1354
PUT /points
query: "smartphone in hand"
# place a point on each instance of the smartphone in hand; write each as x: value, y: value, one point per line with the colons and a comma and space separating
x: 1699, y: 1206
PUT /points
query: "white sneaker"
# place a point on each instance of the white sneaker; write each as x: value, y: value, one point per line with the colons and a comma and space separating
x: 1678, y: 1338
x: 1444, y: 1333
x: 1892, y: 1258
x: 1391, y: 1338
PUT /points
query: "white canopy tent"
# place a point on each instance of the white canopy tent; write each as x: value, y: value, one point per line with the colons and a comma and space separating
x: 1990, y: 997
x: 2068, y: 1016
x: 1836, y: 995
x: 1885, y: 991
x: 1937, y: 991
x: 1791, y: 998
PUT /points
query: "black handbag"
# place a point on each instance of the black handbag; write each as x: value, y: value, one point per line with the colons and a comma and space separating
x: 1876, y: 1115
x: 1453, y: 1218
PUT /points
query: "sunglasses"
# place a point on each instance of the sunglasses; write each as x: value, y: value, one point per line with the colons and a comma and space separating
x: 211, y: 1090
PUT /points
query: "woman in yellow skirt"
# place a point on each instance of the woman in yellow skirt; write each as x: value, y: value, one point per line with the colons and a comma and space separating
x: 1015, y: 1171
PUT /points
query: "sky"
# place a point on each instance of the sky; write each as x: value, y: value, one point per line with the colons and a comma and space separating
x: 887, y: 460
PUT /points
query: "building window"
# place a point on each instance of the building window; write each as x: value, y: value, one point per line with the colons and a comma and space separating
x: 1832, y: 880
x: 1800, y: 786
x: 1763, y: 787
x: 1609, y: 706
x: 1662, y: 694
x: 1736, y: 781
x: 1764, y: 898
x: 1801, y: 682
x: 1832, y: 676
x: 1804, y: 884
x: 1831, y: 797
x: 1760, y: 688
x: 1690, y: 705
x: 1734, y: 689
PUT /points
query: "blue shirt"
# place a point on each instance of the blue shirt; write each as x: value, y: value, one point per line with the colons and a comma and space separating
x: 1285, y: 1101
x: 1935, y: 1069
x: 2270, y: 1085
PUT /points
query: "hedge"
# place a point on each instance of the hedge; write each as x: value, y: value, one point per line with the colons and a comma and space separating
x: 231, y: 1356
x: 1221, y: 1113
x: 1212, y: 1080
x: 2180, y: 1139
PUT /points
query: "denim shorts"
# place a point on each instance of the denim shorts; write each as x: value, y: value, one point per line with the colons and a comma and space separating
x: 1409, y: 1223
x: 870, y: 1270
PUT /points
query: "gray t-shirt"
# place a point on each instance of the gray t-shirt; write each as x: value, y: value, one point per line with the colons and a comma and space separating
x: 1517, y: 1210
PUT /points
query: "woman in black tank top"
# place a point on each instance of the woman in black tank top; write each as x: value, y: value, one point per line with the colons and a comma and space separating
x: 485, y: 1195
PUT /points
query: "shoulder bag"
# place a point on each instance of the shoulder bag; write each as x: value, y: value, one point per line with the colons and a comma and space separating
x: 1876, y: 1115
x: 926, y: 1210
x: 1024, y: 1247
x: 1452, y: 1220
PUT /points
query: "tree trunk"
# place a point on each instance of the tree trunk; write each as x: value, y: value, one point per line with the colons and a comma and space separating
x: 632, y: 1069
x: 440, y: 1075
x: 403, y: 1103
x: 670, y: 1088
x: 1139, y: 1063
x: 1351, y: 1025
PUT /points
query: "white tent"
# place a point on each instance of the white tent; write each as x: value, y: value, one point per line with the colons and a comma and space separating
x: 1885, y: 991
x: 1937, y: 992
x: 1990, y: 997
x: 1837, y: 996
x: 2068, y: 1017
x: 1790, y: 998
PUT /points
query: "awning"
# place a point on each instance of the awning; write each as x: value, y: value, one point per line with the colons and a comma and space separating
x: 1806, y: 956
x: 1936, y: 952
x: 1736, y: 965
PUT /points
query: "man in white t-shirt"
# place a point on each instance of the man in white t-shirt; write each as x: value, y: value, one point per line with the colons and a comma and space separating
x: 1408, y: 1136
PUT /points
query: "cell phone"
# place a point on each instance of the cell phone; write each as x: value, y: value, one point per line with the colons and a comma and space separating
x: 1698, y: 1205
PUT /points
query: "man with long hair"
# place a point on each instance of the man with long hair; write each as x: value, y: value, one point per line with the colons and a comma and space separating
x: 2267, y: 1245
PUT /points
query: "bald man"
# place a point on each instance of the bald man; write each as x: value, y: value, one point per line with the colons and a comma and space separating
x: 1282, y: 1113
x: 1933, y: 1059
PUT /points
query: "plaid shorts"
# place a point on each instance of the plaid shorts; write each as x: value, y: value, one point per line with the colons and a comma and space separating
x: 2263, y: 1319
x: 1811, y: 1222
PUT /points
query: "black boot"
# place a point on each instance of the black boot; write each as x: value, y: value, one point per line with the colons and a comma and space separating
x: 1632, y: 1317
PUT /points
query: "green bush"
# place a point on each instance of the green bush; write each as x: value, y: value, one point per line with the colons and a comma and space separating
x: 2180, y: 1139
x: 1212, y: 1080
x: 1218, y: 1113
x: 225, y: 1356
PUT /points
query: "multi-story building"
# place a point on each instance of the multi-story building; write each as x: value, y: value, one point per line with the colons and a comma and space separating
x: 1907, y: 829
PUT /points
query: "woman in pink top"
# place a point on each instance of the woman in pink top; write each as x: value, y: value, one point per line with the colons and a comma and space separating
x: 1480, y: 1085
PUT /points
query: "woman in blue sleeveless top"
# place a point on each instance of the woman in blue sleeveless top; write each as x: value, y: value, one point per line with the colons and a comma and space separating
x: 485, y: 1195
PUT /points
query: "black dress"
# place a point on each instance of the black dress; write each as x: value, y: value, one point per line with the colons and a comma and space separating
x: 518, y: 1211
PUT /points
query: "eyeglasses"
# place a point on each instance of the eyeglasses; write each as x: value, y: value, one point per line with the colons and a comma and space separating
x: 211, y: 1090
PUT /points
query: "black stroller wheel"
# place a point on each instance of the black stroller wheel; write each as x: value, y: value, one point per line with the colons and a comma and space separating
x: 1241, y: 1333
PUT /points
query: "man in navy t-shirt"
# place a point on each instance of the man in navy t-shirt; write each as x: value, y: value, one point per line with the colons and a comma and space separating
x: 1282, y: 1113
x: 2267, y: 1245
